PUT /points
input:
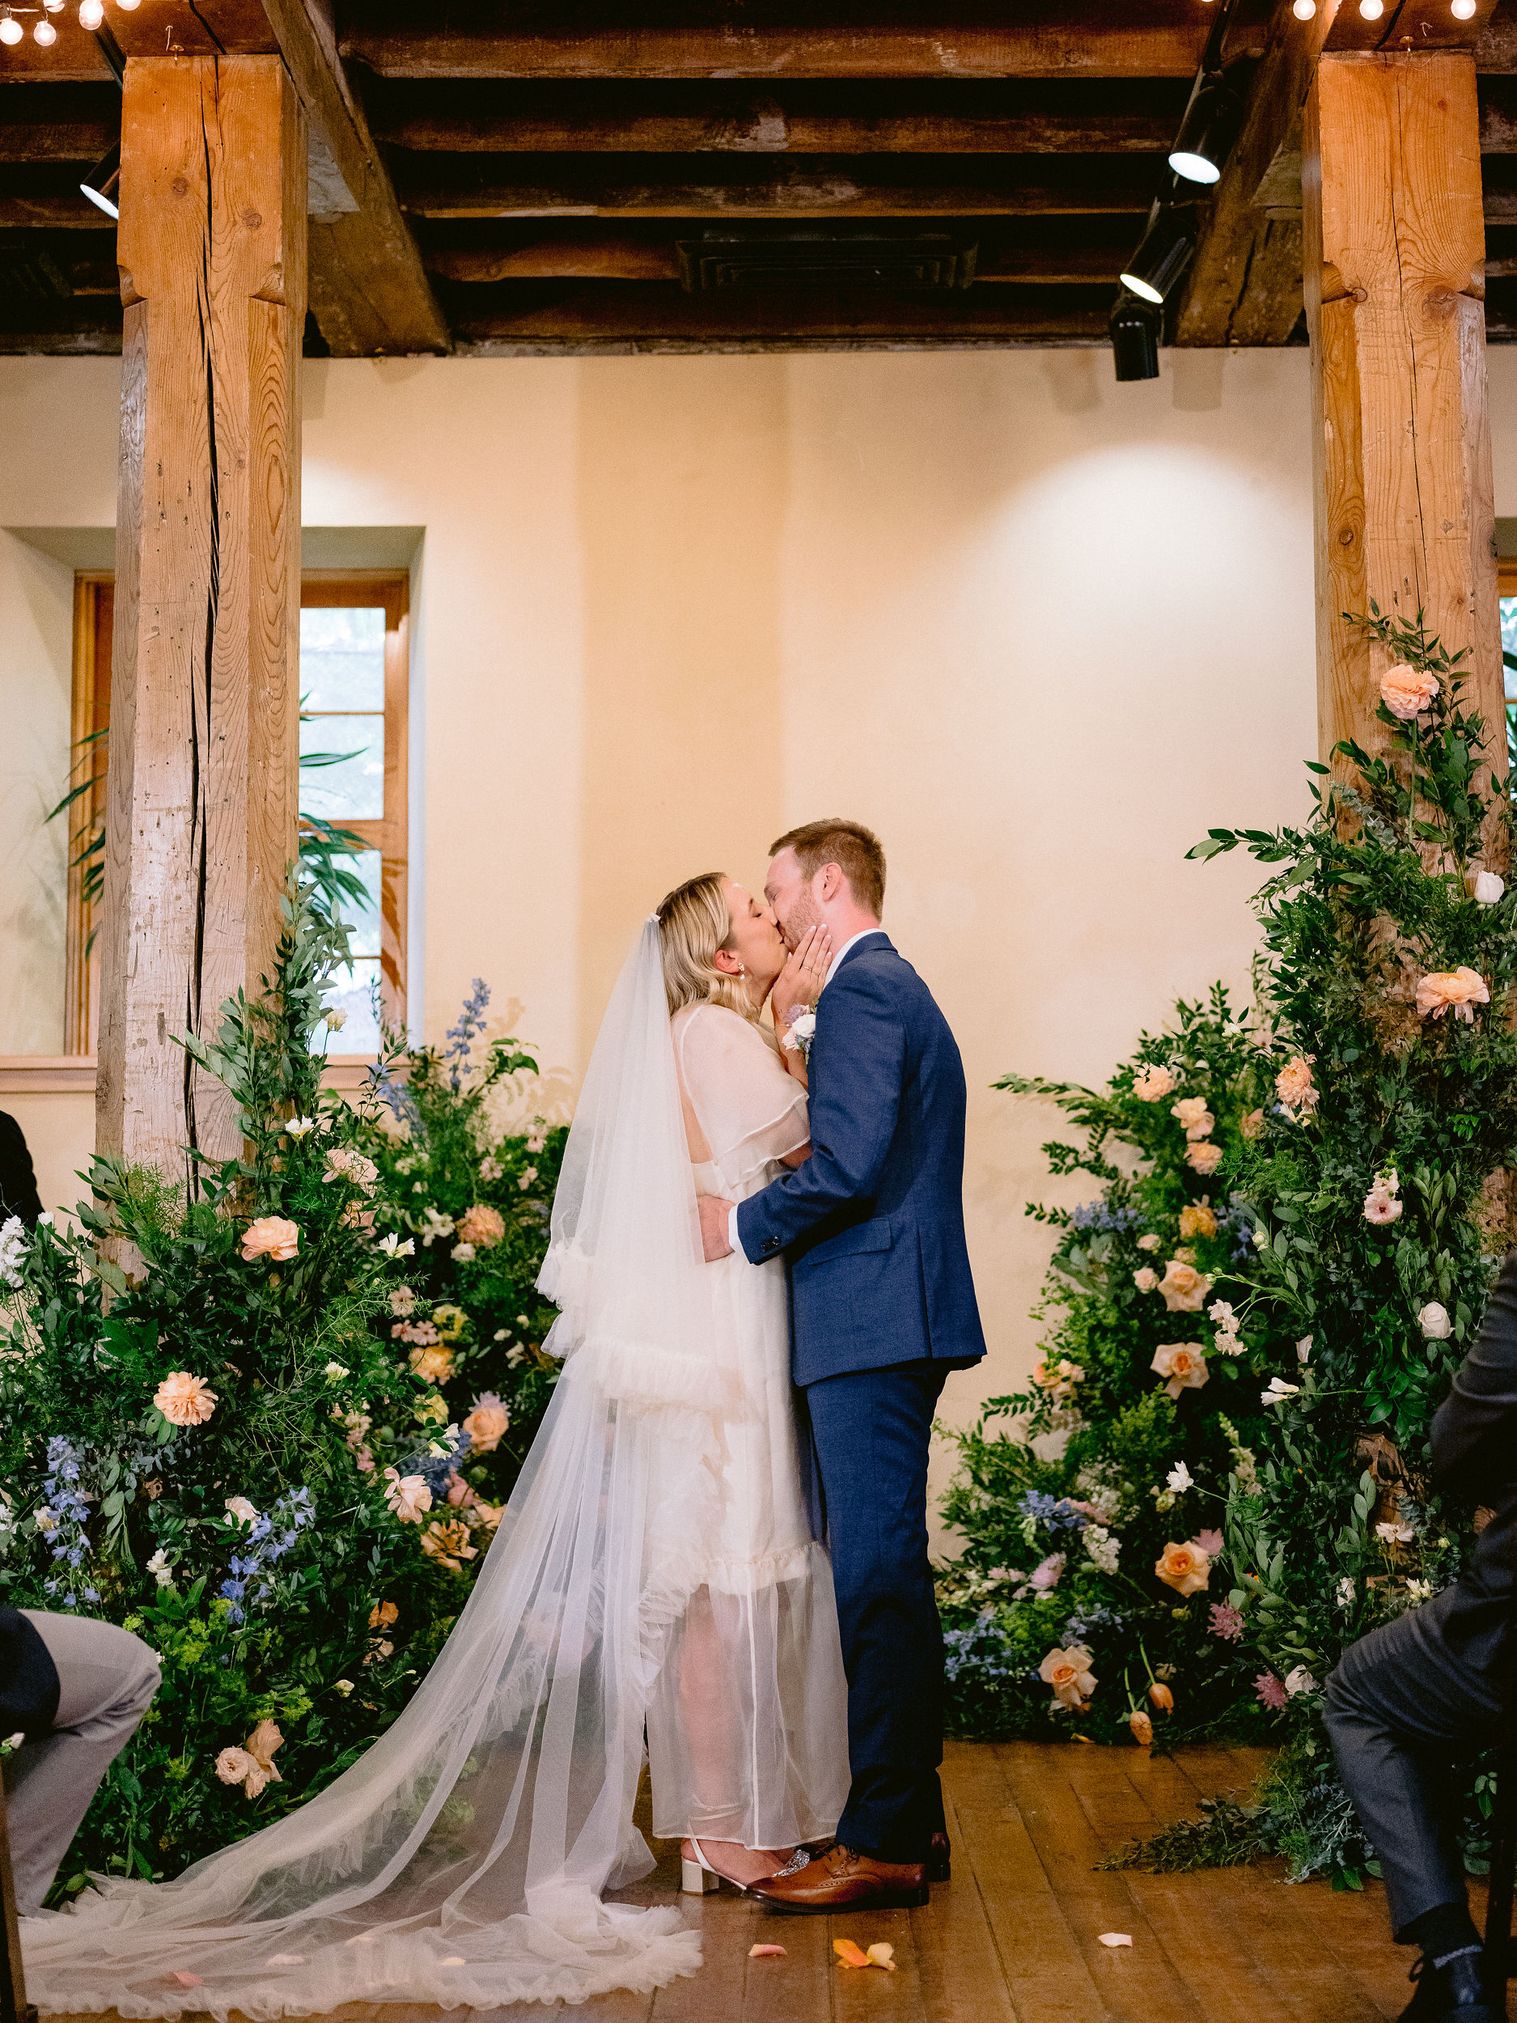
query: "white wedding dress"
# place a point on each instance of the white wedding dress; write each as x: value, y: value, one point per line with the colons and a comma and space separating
x: 654, y: 1587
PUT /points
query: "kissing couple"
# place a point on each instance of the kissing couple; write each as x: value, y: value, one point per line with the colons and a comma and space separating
x: 715, y: 1559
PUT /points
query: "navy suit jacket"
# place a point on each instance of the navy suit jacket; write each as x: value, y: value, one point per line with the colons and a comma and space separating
x: 1474, y: 1443
x: 873, y: 1222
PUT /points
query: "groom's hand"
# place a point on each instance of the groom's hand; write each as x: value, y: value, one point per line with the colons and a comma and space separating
x: 715, y: 1214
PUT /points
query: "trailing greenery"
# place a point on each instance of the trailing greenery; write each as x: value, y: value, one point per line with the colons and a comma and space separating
x: 181, y: 1375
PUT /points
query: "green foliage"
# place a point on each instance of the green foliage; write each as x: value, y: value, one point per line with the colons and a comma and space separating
x: 1062, y: 1496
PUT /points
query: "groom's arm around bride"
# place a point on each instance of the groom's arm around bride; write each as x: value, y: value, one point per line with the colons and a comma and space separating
x: 883, y: 1307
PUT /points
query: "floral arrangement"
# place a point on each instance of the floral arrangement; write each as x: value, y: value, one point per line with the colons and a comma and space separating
x: 179, y: 1374
x: 1090, y: 1503
x: 473, y: 1201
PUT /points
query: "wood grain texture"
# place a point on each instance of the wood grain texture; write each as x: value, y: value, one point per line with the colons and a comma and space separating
x: 368, y: 288
x: 1395, y: 246
x: 204, y: 730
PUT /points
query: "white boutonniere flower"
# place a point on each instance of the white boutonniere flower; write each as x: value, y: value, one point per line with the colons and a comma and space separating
x: 802, y: 1032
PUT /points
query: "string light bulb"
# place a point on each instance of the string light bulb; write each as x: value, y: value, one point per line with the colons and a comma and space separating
x: 1303, y: 9
x: 1371, y: 9
x: 11, y: 30
x: 53, y: 6
x: 45, y: 33
x: 91, y: 13
x: 1462, y: 10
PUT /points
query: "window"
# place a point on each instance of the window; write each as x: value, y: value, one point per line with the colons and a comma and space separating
x: 354, y: 678
x: 1506, y: 584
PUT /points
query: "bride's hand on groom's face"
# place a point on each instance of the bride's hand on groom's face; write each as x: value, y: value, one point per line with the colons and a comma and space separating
x: 799, y: 984
x: 715, y: 1214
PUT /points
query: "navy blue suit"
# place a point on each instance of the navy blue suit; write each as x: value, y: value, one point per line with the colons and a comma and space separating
x: 883, y: 1306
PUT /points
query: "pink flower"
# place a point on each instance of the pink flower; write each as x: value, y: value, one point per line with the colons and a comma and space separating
x: 1146, y: 1279
x: 185, y: 1400
x: 1191, y: 1111
x: 1456, y: 990
x: 271, y: 1236
x: 1381, y: 1206
x: 1271, y: 1693
x: 1295, y: 1084
x: 1204, y: 1157
x: 481, y: 1225
x: 408, y: 1496
x: 1046, y: 1574
x: 1210, y: 1543
x: 1407, y: 691
x: 1225, y: 1621
x: 1152, y: 1085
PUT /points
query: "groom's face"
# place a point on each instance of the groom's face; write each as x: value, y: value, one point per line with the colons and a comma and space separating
x: 791, y: 899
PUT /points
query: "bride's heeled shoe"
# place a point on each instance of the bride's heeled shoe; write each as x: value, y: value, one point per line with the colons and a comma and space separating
x: 698, y: 1877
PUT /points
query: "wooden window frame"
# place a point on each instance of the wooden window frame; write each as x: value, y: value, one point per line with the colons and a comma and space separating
x: 387, y: 833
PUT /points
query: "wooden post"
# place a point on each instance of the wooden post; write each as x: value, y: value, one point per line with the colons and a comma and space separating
x: 201, y: 821
x: 1394, y: 253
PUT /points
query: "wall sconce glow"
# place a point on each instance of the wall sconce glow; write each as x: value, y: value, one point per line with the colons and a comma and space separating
x: 11, y: 30
x: 101, y: 183
x: 45, y: 33
x: 91, y: 13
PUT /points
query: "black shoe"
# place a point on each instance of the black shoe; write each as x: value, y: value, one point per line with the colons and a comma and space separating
x: 940, y: 1860
x: 1460, y: 1991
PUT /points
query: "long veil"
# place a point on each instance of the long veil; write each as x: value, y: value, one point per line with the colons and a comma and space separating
x: 462, y: 1860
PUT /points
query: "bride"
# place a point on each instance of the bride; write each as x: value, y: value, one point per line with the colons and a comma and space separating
x: 655, y: 1587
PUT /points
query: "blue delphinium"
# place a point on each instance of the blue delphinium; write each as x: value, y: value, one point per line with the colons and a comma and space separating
x: 69, y: 1541
x: 461, y: 1037
x: 250, y: 1571
x: 1099, y: 1218
x: 1052, y: 1513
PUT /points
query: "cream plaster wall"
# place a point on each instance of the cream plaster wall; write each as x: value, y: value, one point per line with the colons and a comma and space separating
x: 1037, y: 628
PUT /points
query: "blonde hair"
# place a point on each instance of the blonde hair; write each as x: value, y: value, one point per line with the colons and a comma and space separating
x: 693, y: 923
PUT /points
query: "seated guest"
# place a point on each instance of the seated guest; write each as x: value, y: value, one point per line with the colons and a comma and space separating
x: 18, y: 1183
x: 1409, y: 1696
x: 76, y: 1689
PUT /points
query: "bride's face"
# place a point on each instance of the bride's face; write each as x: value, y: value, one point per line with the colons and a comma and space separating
x: 757, y: 942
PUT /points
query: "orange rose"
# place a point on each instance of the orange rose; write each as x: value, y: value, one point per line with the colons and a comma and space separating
x: 185, y: 1400
x: 432, y: 1365
x: 486, y: 1425
x: 1197, y: 1219
x: 1183, y: 1364
x: 1185, y: 1568
x: 271, y: 1236
x: 1183, y: 1287
x: 1069, y: 1674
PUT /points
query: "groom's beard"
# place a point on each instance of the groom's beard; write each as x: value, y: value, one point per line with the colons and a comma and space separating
x: 803, y: 918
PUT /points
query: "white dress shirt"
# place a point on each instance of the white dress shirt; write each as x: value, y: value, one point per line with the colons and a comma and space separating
x: 832, y: 970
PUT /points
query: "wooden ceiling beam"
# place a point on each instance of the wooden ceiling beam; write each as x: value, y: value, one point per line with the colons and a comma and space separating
x: 799, y: 118
x: 1044, y: 39
x: 825, y: 186
x: 58, y: 122
x: 368, y: 289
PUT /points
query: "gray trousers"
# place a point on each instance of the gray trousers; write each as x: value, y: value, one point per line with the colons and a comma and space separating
x: 107, y: 1677
x: 1400, y: 1706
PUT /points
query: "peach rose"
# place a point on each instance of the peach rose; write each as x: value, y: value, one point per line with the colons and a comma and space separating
x: 434, y: 1365
x: 481, y: 1225
x: 1204, y: 1157
x: 1183, y: 1363
x: 1145, y: 1278
x: 1456, y: 990
x: 1295, y: 1084
x: 1069, y: 1674
x: 1142, y: 1728
x: 1184, y: 1289
x: 185, y: 1400
x: 1407, y: 691
x: 1197, y: 1219
x: 1152, y: 1085
x: 1191, y: 1111
x: 271, y: 1236
x: 486, y: 1424
x: 1185, y: 1568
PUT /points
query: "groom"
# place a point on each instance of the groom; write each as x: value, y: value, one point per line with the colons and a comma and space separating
x: 883, y: 1307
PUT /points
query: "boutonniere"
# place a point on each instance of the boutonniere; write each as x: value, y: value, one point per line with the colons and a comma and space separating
x: 802, y: 1032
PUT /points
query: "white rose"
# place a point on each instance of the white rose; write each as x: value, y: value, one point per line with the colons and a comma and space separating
x: 1486, y: 887
x: 1434, y: 1322
x: 1299, y: 1680
x: 240, y: 1508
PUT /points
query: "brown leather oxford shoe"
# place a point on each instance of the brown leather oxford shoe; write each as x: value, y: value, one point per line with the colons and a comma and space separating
x: 842, y: 1880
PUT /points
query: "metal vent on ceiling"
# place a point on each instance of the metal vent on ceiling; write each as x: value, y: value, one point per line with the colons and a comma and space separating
x: 927, y: 261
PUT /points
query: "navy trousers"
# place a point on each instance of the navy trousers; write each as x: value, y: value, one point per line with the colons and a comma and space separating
x: 870, y: 1431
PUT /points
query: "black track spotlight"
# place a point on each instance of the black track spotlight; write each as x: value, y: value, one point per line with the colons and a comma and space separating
x: 1208, y: 129
x: 1163, y: 254
x: 100, y: 184
x: 1134, y: 330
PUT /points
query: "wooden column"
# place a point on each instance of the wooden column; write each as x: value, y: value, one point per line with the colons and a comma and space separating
x: 205, y: 707
x: 1394, y: 252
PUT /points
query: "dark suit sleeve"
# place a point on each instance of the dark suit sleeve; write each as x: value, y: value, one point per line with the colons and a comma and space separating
x: 858, y: 1060
x: 18, y: 1183
x: 1474, y: 1436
